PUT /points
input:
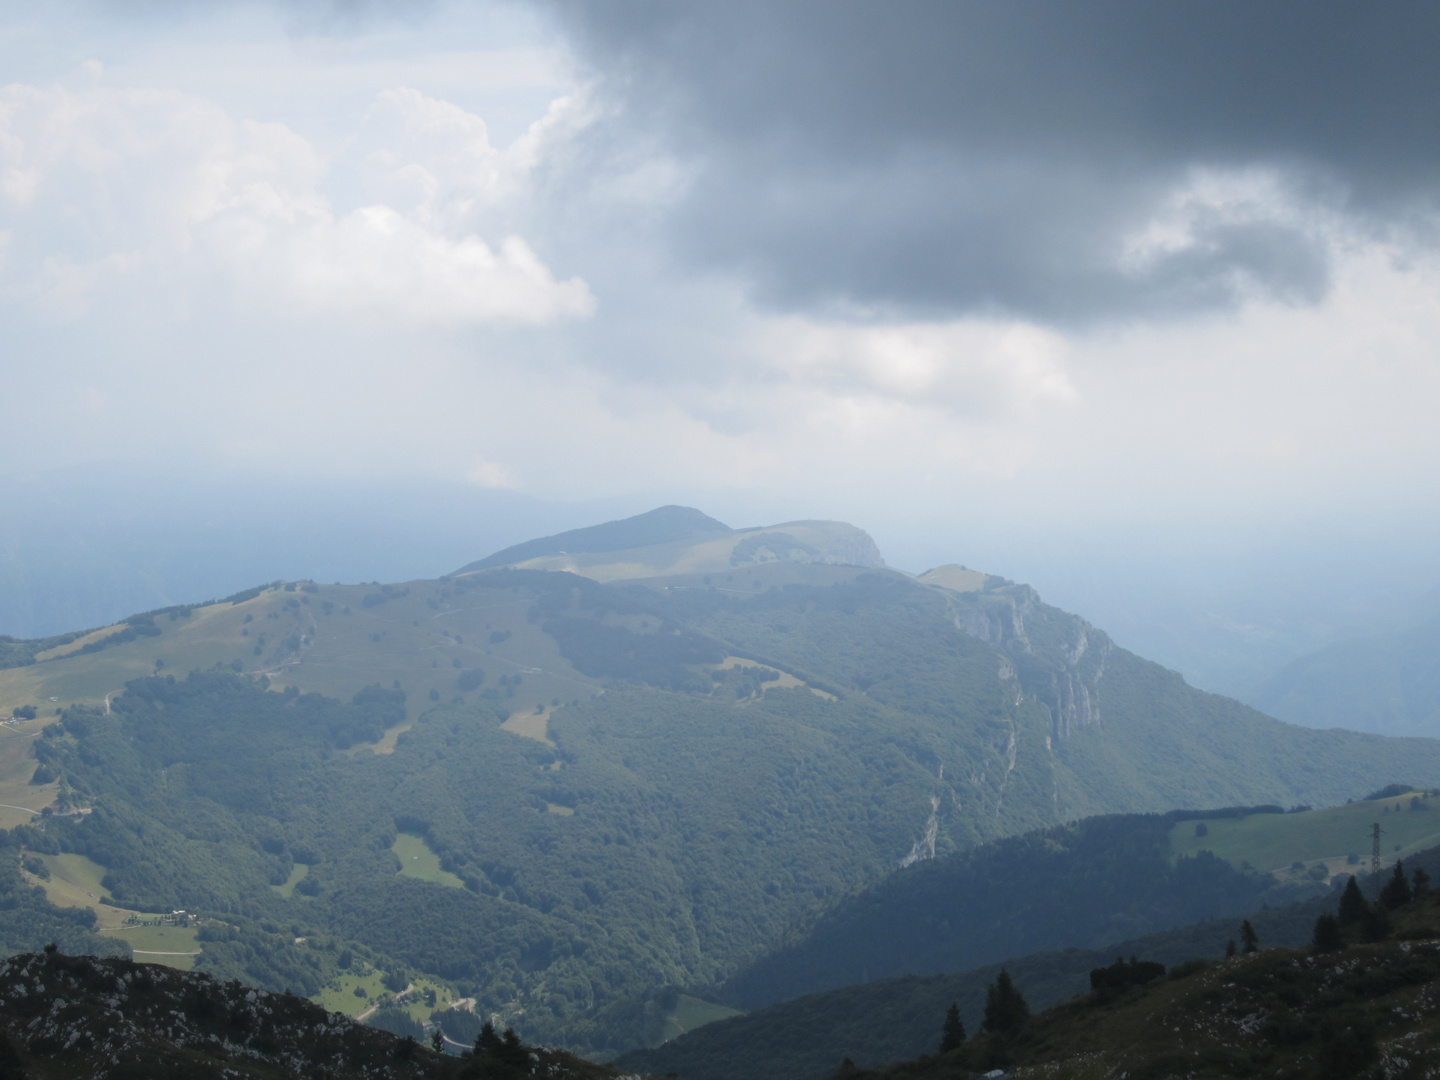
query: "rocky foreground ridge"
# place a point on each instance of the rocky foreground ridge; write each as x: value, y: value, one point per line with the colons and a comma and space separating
x: 114, y: 1019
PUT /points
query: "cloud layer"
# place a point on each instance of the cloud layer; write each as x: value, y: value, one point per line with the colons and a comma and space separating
x: 1022, y: 158
x: 155, y: 191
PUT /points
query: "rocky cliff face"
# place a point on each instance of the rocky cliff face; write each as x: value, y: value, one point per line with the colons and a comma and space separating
x: 1058, y: 658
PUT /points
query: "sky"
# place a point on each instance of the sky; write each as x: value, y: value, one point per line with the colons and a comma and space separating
x: 1135, y: 301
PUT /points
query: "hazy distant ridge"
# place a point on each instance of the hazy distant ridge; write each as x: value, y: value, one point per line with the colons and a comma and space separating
x: 663, y: 525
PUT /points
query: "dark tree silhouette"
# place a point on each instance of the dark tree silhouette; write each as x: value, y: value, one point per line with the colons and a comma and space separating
x: 1397, y: 890
x: 1352, y: 903
x: 1005, y: 1007
x: 1327, y: 937
x: 1229, y: 948
x: 953, y: 1034
x: 488, y: 1043
x: 1249, y: 939
x: 1421, y: 880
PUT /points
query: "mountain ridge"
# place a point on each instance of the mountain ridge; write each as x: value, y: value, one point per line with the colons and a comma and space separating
x: 614, y: 786
x: 662, y: 525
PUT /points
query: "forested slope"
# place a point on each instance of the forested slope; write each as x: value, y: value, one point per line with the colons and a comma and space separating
x: 689, y: 768
x: 1097, y: 881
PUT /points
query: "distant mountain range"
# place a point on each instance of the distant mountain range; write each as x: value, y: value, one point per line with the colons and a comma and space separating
x: 574, y: 773
x: 1387, y: 683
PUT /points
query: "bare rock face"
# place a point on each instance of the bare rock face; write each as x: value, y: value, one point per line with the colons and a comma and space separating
x: 1059, y: 659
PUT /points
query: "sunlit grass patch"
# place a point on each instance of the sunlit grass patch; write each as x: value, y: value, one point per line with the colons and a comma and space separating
x: 418, y: 861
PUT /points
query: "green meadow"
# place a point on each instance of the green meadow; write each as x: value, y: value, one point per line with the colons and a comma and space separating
x: 418, y: 861
x: 1272, y: 843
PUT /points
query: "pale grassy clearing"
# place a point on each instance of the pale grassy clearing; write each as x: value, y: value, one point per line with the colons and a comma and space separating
x: 530, y: 725
x: 690, y: 1013
x: 20, y: 799
x: 418, y: 861
x: 387, y: 742
x: 173, y: 946
x: 954, y: 577
x: 75, y: 882
x: 297, y: 875
x: 79, y: 643
x: 340, y: 995
x: 785, y: 682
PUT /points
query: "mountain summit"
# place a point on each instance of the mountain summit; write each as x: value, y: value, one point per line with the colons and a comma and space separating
x: 681, y: 540
x: 662, y: 525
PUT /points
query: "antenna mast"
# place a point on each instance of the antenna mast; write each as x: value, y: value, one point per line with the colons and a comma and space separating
x: 1375, y: 848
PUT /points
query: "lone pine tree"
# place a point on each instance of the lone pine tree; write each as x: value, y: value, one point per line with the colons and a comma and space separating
x: 1005, y: 1007
x: 1397, y: 890
x: 953, y: 1034
x: 1352, y: 904
x: 1249, y: 939
x: 1327, y: 936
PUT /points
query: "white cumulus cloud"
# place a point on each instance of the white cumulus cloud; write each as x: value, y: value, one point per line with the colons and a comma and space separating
x: 102, y: 185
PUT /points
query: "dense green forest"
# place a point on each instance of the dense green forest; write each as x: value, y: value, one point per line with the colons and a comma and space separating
x: 895, y: 1019
x: 1099, y: 880
x: 671, y: 819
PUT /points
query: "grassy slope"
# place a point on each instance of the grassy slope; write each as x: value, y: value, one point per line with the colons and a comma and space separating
x: 19, y: 797
x: 419, y: 862
x: 416, y: 638
x: 1273, y: 842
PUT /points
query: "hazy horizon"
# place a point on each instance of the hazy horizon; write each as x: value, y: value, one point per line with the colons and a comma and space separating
x: 1002, y: 286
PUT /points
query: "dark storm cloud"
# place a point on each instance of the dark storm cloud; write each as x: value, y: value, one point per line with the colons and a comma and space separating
x: 953, y: 156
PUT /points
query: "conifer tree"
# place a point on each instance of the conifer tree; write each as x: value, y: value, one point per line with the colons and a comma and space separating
x: 488, y: 1043
x: 1327, y: 937
x: 953, y: 1034
x: 1352, y: 904
x: 1249, y: 939
x: 1229, y: 948
x: 1397, y: 890
x: 1421, y: 879
x: 1005, y: 1007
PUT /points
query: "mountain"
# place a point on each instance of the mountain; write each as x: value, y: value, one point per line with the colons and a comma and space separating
x: 552, y: 794
x: 890, y: 1020
x: 1387, y: 683
x: 674, y: 540
x: 1355, y: 1005
x: 1083, y: 884
x: 663, y: 525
